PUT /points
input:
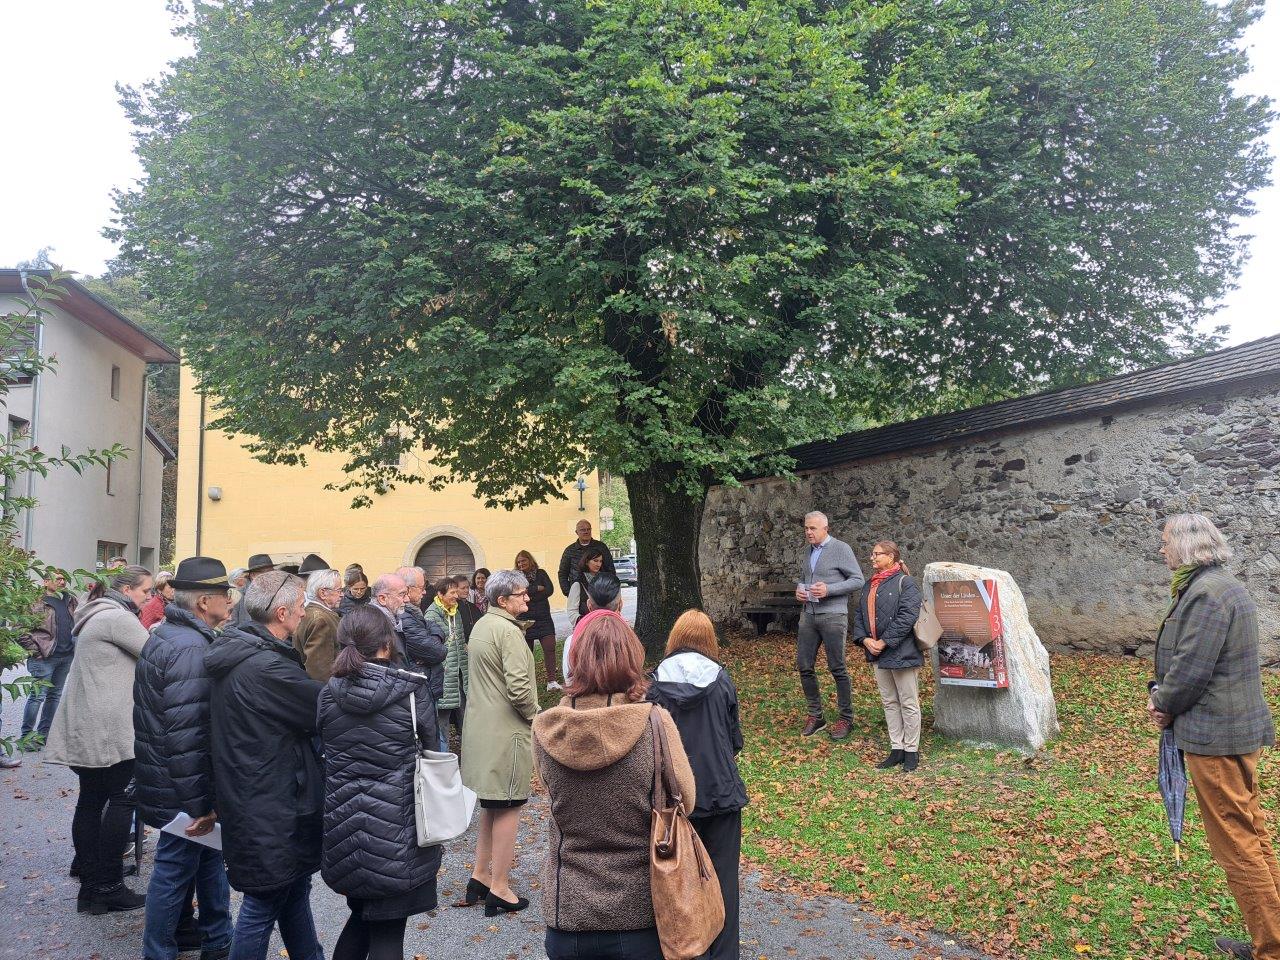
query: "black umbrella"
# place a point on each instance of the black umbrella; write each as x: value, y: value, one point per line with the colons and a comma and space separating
x: 1173, y: 787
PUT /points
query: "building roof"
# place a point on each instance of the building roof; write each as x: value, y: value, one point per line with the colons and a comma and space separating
x: 158, y: 442
x: 93, y: 311
x: 1256, y: 361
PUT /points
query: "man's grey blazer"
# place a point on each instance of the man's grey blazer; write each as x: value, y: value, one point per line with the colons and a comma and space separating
x: 838, y: 568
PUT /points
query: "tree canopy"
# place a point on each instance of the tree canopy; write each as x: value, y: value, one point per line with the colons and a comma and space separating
x: 676, y: 237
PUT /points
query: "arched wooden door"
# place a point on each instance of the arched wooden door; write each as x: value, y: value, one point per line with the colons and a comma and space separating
x: 445, y: 557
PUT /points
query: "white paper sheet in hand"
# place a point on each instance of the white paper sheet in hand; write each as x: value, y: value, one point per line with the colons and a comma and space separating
x: 178, y: 827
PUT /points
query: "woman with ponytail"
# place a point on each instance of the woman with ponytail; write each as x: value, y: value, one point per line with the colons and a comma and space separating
x: 92, y: 734
x: 371, y: 854
x: 884, y: 625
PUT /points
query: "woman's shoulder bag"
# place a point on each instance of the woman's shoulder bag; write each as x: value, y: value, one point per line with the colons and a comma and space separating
x: 442, y: 806
x: 687, y: 905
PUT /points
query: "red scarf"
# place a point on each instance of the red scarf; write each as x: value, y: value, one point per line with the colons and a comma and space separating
x: 877, y: 579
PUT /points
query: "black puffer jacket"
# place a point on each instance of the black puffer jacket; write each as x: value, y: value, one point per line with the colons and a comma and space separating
x: 370, y: 840
x: 266, y: 772
x: 349, y: 603
x: 425, y: 648
x: 171, y: 720
x: 897, y: 609
x: 701, y: 698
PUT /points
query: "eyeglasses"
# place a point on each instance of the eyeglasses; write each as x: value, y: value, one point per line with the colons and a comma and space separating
x: 522, y: 593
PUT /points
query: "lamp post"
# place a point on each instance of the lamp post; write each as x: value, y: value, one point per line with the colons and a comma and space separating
x: 582, y: 493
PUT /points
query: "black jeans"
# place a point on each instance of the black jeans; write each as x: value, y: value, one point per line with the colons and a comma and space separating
x: 602, y: 944
x: 371, y: 940
x: 101, y: 825
x: 722, y: 836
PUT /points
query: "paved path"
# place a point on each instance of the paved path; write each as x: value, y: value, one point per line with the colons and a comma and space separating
x: 38, y: 918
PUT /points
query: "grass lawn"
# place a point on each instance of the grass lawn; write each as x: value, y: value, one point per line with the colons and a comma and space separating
x: 1065, y: 855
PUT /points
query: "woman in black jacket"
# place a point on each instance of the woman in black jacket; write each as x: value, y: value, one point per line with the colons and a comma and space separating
x: 355, y: 591
x: 371, y: 853
x: 700, y: 696
x: 543, y: 629
x: 884, y: 625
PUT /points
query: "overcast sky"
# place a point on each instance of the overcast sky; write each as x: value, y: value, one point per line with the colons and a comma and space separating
x: 68, y: 143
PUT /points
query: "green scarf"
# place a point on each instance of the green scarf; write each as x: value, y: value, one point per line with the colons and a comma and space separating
x: 1181, y: 577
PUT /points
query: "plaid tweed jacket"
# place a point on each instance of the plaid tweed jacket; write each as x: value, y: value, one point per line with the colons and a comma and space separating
x: 1207, y: 673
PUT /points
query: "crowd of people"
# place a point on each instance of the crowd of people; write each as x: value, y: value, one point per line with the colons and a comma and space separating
x: 285, y: 708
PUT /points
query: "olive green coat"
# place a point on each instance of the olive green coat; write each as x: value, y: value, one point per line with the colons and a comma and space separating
x: 502, y: 700
x: 456, y: 681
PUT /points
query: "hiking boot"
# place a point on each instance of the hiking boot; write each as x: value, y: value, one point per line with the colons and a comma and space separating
x: 84, y: 899
x: 892, y: 760
x: 841, y: 730
x: 910, y: 760
x: 1234, y: 948
x: 813, y: 726
x: 117, y: 899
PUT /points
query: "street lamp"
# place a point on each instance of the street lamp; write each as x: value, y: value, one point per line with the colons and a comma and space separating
x: 582, y: 492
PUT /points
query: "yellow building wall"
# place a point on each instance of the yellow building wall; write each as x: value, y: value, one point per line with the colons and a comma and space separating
x: 275, y: 509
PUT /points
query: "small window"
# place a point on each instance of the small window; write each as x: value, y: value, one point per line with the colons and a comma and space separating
x: 107, y: 552
x: 115, y: 383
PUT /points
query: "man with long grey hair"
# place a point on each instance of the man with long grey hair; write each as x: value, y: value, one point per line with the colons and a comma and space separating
x: 316, y: 638
x: 1208, y: 688
x: 828, y: 573
x: 266, y: 773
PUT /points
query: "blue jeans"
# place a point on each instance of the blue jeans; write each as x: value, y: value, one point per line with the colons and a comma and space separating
x: 290, y: 907
x: 54, y: 670
x: 177, y: 863
x: 603, y: 944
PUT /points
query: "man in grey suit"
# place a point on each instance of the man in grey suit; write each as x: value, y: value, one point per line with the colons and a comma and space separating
x: 829, y: 572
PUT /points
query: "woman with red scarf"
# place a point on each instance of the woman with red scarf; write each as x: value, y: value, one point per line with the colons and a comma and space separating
x: 884, y: 624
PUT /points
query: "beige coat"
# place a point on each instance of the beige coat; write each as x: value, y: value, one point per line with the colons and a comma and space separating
x: 502, y: 700
x: 94, y: 723
x: 317, y: 640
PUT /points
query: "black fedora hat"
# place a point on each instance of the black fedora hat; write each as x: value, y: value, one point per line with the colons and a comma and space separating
x: 200, y: 573
x: 311, y: 563
x: 259, y: 562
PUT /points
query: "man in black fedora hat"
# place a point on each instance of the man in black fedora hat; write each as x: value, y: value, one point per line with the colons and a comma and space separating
x: 312, y: 563
x: 172, y: 769
x: 258, y: 564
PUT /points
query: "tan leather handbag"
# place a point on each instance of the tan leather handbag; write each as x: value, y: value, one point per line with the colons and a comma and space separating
x: 687, y: 904
x: 928, y: 629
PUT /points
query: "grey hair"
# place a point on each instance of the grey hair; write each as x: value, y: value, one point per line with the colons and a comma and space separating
x: 322, y: 580
x: 503, y: 583
x: 410, y: 575
x: 187, y: 599
x: 817, y: 513
x: 163, y: 577
x: 381, y: 585
x: 270, y: 591
x: 1193, y: 538
x: 129, y: 576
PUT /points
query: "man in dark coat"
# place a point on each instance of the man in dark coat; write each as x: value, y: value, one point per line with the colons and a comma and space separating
x: 51, y: 646
x: 266, y: 771
x: 424, y: 648
x: 572, y: 556
x: 259, y: 564
x: 173, y: 773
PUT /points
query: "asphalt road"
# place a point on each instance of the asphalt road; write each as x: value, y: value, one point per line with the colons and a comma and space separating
x: 561, y: 617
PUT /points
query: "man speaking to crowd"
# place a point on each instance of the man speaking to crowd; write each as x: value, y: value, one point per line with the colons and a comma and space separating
x: 829, y: 572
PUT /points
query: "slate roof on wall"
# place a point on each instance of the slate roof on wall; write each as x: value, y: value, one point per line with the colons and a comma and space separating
x: 1256, y: 361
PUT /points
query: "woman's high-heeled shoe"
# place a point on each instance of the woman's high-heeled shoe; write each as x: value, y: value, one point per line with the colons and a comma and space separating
x: 476, y: 891
x: 493, y: 906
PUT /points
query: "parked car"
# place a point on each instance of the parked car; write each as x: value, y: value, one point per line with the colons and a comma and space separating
x: 625, y: 568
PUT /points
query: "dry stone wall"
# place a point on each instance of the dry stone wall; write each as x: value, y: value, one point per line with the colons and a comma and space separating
x: 1071, y: 509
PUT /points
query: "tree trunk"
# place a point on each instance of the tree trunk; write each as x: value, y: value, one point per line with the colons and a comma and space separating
x: 668, y: 529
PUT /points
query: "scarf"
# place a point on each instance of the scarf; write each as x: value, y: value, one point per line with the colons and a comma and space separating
x: 1181, y: 577
x: 876, y: 579
x: 480, y: 600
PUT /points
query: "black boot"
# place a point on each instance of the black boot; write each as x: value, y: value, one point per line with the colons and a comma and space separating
x: 188, y: 937
x: 910, y: 760
x: 116, y: 899
x: 84, y: 899
x: 892, y: 760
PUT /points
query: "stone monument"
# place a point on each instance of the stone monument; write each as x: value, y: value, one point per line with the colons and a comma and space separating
x: 1022, y: 714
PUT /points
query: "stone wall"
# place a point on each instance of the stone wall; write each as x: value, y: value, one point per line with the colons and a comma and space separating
x: 1071, y: 509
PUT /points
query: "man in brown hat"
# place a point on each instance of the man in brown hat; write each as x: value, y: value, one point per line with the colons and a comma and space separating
x: 258, y: 564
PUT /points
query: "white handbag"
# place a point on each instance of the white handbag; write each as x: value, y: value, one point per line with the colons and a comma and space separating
x: 442, y: 806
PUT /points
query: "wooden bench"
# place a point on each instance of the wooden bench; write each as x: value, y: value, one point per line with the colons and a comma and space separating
x: 770, y: 602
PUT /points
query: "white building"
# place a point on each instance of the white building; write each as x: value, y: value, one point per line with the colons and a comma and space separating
x: 94, y: 397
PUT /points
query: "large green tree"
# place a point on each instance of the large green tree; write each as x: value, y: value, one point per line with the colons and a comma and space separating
x: 675, y: 237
